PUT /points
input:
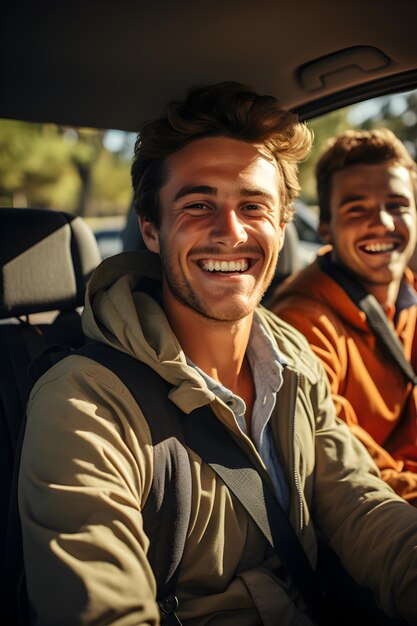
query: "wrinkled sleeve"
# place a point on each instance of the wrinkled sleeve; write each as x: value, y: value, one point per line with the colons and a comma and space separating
x: 371, y: 528
x: 85, y: 473
x: 329, y: 345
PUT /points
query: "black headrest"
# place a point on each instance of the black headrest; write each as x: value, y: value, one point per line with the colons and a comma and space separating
x: 46, y: 258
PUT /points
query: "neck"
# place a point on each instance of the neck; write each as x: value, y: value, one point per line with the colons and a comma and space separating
x: 216, y: 347
x: 386, y: 295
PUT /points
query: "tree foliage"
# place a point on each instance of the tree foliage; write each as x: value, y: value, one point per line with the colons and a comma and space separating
x: 61, y: 168
x: 323, y: 128
x: 399, y: 113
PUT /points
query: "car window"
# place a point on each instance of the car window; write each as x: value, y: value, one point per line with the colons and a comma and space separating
x: 86, y: 171
x: 82, y: 171
x: 398, y: 112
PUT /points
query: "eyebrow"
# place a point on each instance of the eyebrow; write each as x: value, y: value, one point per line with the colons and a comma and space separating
x: 190, y: 189
x: 350, y: 198
x: 212, y: 191
x: 252, y: 191
x: 357, y: 198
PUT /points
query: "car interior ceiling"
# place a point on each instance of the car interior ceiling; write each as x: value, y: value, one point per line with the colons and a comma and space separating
x: 128, y: 63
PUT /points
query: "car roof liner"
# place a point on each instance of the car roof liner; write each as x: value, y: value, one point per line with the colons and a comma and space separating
x: 115, y: 65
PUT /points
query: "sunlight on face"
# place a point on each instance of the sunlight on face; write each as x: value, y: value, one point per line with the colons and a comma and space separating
x: 220, y: 230
x: 373, y: 221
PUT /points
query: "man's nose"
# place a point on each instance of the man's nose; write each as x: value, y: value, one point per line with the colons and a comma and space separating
x: 385, y: 217
x: 228, y: 228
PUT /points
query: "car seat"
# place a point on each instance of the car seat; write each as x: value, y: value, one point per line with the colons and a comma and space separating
x: 46, y: 258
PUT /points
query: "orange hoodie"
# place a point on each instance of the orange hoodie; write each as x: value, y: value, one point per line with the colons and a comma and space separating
x: 369, y: 391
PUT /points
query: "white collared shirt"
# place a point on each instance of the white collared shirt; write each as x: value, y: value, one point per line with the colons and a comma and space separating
x: 266, y: 364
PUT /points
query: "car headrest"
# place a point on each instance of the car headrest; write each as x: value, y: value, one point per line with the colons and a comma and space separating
x: 46, y: 259
x: 289, y: 259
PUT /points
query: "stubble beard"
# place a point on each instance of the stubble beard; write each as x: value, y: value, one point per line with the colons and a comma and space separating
x: 183, y: 291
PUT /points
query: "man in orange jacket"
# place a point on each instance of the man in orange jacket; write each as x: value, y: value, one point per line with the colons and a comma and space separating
x: 367, y: 189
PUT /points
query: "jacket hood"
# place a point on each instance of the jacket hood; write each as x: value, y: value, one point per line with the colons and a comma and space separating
x: 120, y: 313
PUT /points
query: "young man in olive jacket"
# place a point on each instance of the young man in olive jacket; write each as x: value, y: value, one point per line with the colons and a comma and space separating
x: 214, y: 181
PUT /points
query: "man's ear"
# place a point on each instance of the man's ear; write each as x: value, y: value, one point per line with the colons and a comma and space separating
x: 325, y: 232
x: 150, y: 234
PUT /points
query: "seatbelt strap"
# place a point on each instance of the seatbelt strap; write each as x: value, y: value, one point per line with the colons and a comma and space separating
x: 167, y: 511
x: 216, y: 445
x: 376, y: 318
x: 218, y: 448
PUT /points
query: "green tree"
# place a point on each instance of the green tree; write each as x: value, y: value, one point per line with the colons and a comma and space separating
x: 323, y: 128
x: 400, y: 115
x: 397, y: 112
x: 35, y: 166
x: 62, y: 168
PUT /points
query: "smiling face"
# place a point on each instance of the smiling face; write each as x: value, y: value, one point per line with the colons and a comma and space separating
x: 220, y: 232
x: 373, y: 222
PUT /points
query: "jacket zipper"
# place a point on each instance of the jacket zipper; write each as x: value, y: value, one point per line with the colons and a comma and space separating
x: 168, y: 610
x: 300, y: 510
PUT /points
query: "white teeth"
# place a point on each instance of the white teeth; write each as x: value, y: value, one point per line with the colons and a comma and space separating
x: 225, y: 266
x: 379, y: 247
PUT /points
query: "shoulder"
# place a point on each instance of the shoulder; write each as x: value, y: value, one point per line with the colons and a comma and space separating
x: 309, y: 287
x: 83, y: 422
x: 316, y: 305
x: 79, y: 388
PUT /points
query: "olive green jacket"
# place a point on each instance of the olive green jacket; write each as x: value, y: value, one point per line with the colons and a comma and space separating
x: 87, y: 467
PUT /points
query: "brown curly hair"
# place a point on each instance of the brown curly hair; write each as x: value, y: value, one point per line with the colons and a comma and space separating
x: 226, y: 109
x: 358, y: 147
